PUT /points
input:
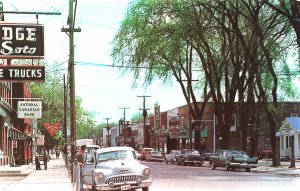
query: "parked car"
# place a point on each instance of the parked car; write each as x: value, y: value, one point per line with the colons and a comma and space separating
x: 92, y: 148
x: 232, y: 159
x: 145, y: 152
x: 189, y: 156
x: 138, y: 155
x: 207, y: 154
x: 155, y: 156
x: 115, y: 168
x: 171, y: 157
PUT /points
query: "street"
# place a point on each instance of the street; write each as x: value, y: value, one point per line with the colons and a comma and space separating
x: 174, y: 177
x: 166, y: 177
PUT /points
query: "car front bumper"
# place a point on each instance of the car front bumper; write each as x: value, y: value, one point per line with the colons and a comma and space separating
x: 145, y: 183
x: 243, y: 165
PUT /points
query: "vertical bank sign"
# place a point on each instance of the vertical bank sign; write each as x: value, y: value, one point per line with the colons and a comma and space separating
x: 21, y: 40
x: 156, y: 116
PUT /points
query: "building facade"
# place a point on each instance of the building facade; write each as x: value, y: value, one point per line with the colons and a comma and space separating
x: 16, y: 133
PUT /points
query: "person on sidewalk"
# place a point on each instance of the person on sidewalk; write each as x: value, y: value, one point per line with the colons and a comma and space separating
x: 79, y: 159
x: 37, y: 162
x: 57, y: 154
x: 45, y: 157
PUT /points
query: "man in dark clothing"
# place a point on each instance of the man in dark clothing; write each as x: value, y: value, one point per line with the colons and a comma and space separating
x: 45, y: 157
x: 79, y: 158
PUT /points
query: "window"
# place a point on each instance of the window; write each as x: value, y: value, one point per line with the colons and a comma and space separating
x: 232, y: 123
x: 287, y: 145
x: 294, y: 114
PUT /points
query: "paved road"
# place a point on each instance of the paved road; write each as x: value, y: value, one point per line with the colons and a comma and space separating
x: 168, y: 177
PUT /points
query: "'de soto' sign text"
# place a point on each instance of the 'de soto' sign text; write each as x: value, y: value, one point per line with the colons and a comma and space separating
x: 19, y: 40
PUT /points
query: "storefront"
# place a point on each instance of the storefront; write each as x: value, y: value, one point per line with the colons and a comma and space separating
x: 19, y: 147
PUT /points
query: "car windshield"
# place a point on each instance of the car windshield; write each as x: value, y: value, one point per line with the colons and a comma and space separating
x: 194, y: 152
x: 156, y: 153
x: 116, y: 155
x: 241, y: 155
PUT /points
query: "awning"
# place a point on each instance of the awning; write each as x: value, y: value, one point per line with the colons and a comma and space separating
x: 15, y: 134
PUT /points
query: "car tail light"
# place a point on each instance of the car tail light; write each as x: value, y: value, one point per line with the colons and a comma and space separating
x: 147, y: 172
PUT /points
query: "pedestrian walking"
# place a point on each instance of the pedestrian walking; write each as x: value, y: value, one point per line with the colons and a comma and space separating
x: 57, y: 154
x: 37, y: 162
x: 45, y: 157
x: 79, y: 159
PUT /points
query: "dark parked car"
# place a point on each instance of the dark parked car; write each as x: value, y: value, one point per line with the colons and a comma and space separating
x: 189, y: 156
x: 232, y: 159
x: 207, y: 154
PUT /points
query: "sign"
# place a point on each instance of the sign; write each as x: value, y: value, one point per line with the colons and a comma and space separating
x: 156, y: 116
x: 174, y: 135
x: 22, y: 73
x: 20, y: 40
x: 51, y: 128
x: 29, y: 109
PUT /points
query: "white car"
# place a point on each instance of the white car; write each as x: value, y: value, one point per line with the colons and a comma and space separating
x: 115, y: 168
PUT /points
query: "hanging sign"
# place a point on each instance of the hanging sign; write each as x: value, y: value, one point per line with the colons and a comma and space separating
x: 21, y: 40
x: 51, y: 128
x: 29, y: 109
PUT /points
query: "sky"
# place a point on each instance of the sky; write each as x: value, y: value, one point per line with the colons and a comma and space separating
x: 104, y: 90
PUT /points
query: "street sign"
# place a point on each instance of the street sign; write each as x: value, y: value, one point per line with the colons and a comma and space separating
x: 22, y: 73
x: 21, y: 40
x: 29, y: 109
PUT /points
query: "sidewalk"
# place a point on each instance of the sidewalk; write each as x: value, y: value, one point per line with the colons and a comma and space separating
x: 283, y: 169
x: 55, y: 178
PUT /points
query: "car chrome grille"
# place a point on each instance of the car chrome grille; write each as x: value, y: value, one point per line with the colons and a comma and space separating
x: 122, y: 179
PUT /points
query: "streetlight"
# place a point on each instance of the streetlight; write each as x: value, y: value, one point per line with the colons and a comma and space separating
x: 292, y: 134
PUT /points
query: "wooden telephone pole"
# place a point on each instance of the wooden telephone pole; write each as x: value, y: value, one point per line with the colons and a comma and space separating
x: 70, y: 32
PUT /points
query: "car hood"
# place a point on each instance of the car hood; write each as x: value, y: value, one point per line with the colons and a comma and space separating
x: 121, y: 166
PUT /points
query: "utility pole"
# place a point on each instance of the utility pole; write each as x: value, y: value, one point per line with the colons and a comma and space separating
x: 107, y: 128
x: 124, y: 115
x: 123, y: 122
x: 70, y: 32
x: 144, y: 120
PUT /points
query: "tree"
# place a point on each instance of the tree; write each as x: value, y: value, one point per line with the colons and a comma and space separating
x: 236, y: 46
x: 52, y: 94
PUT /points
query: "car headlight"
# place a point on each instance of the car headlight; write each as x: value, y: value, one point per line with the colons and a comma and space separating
x: 147, y: 172
x: 99, y: 176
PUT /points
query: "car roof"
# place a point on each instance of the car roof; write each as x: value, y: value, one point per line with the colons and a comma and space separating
x: 107, y: 149
x: 96, y: 146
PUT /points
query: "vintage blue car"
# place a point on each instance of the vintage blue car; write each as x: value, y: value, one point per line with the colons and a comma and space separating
x: 115, y: 168
x: 232, y: 159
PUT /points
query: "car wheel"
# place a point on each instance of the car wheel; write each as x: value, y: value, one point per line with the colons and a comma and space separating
x: 145, y: 189
x: 212, y: 165
x: 248, y: 169
x: 227, y: 167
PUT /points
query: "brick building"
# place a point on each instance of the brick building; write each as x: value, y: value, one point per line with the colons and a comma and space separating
x: 173, y: 131
x: 15, y: 133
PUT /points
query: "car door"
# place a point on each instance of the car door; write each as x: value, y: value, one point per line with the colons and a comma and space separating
x: 87, y: 170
